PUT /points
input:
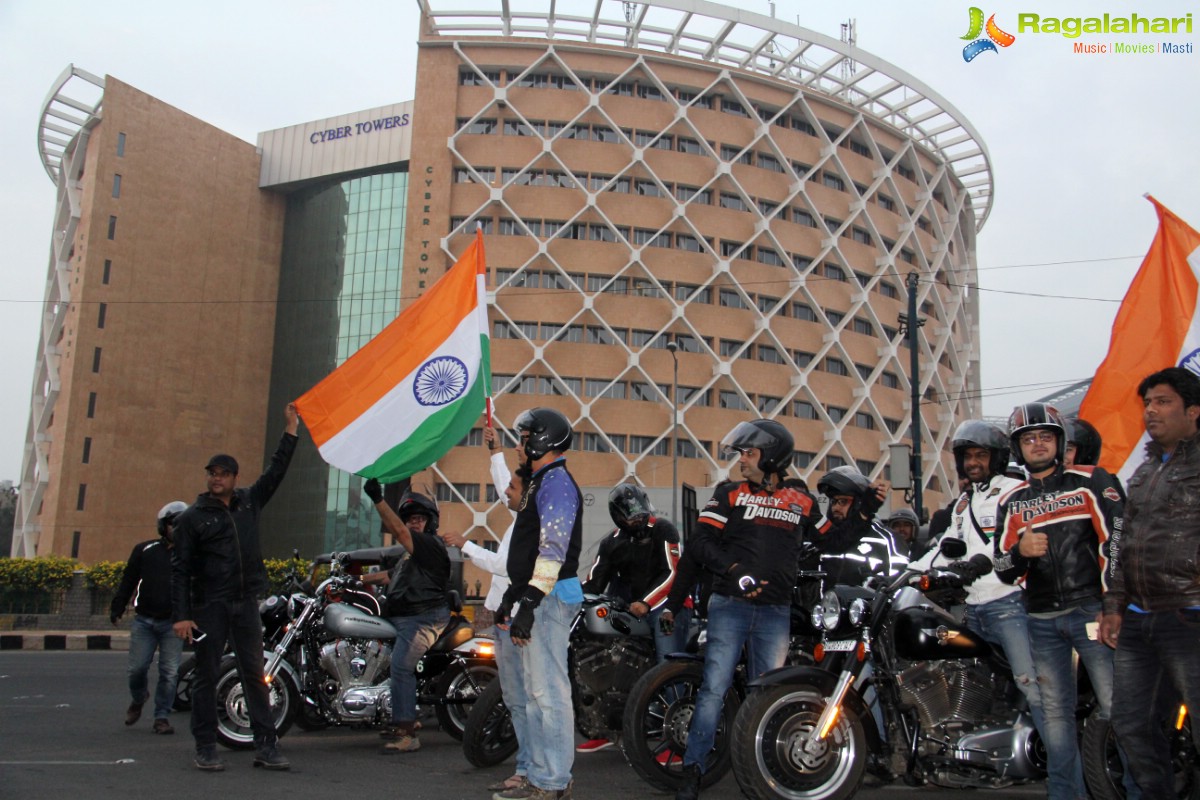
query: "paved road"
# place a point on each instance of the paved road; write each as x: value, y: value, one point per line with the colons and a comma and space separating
x: 61, y: 736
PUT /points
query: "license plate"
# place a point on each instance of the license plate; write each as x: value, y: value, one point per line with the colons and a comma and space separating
x: 841, y: 646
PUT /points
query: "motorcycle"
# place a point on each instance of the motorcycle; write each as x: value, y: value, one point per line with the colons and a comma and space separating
x: 660, y: 707
x: 915, y: 694
x: 610, y: 649
x: 1104, y: 772
x: 332, y: 664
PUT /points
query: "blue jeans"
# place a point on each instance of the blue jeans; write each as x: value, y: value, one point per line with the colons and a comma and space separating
x: 146, y: 635
x: 1054, y: 641
x: 508, y: 663
x: 1005, y: 623
x: 733, y: 624
x: 550, y: 716
x: 1157, y: 663
x: 676, y: 640
x: 236, y: 622
x: 415, y: 634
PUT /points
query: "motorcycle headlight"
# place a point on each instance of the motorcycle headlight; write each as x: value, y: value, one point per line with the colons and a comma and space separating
x: 857, y: 612
x: 831, y: 611
x: 817, y: 616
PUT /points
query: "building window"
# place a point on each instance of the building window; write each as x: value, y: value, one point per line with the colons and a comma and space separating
x: 836, y: 413
x: 96, y: 360
x: 120, y: 144
x: 685, y: 145
x: 107, y: 271
x: 472, y: 78
x: 885, y: 202
x: 770, y: 162
x: 112, y: 228
x: 595, y: 443
x: 733, y: 202
x: 91, y: 407
x: 75, y: 536
x: 601, y: 388
x: 82, y: 497
x: 802, y: 409
x: 864, y: 420
x: 684, y: 394
x: 835, y: 317
x: 474, y: 438
x: 769, y: 257
x: 87, y: 449
x: 889, y: 380
x: 730, y: 298
x: 732, y: 400
x: 835, y: 366
x: 833, y: 181
x: 802, y: 358
x: 457, y: 493
x: 802, y: 459
x: 103, y: 312
x: 863, y: 326
x: 766, y: 404
x: 729, y: 349
x: 803, y: 311
x: 834, y: 272
x: 116, y: 185
x: 646, y: 445
x: 770, y: 355
x: 888, y: 290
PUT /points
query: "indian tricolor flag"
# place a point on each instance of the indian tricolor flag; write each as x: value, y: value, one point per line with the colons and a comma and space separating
x: 1156, y: 327
x: 415, y: 390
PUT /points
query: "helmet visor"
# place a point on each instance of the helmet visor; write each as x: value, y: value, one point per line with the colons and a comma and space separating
x: 745, y: 436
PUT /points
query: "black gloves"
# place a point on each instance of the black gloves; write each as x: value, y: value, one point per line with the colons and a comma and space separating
x: 373, y: 490
x: 807, y: 552
x: 972, y: 569
x: 506, y: 604
x: 666, y: 622
x: 522, y: 623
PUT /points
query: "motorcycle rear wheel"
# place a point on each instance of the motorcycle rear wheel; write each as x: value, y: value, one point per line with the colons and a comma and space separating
x: 233, y: 714
x: 461, y: 688
x: 183, y: 687
x: 1103, y: 771
x: 488, y: 738
x: 656, y: 721
x: 771, y: 730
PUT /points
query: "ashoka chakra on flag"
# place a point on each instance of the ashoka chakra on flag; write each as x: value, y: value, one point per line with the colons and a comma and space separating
x: 440, y: 381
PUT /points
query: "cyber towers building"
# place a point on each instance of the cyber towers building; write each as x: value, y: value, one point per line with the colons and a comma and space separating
x: 644, y: 174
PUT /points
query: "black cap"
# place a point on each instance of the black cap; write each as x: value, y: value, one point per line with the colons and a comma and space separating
x: 227, y: 463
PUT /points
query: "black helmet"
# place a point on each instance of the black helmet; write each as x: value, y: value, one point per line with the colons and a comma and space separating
x: 773, y: 440
x: 167, y: 515
x: 548, y: 430
x: 979, y: 433
x: 905, y: 515
x: 1086, y: 439
x: 629, y: 507
x: 849, y: 482
x: 416, y: 503
x: 1035, y: 416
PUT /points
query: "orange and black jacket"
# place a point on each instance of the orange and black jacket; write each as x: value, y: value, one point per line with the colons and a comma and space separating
x: 644, y: 567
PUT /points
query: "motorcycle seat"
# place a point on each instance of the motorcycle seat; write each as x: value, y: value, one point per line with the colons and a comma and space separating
x: 458, y: 631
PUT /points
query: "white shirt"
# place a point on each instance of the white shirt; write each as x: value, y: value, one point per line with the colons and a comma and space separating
x: 982, y: 499
x: 497, y: 562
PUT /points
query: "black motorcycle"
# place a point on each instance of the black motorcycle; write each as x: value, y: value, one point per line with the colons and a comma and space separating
x: 1104, y: 772
x: 915, y: 695
x: 609, y: 650
x: 331, y: 666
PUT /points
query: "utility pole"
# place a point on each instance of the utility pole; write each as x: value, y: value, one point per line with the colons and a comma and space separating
x: 912, y: 326
x: 673, y: 347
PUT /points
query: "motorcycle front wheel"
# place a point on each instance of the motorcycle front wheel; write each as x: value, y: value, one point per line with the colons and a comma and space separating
x: 458, y: 689
x: 183, y: 687
x: 233, y: 713
x: 656, y: 721
x: 489, y: 738
x: 1104, y: 772
x: 770, y: 734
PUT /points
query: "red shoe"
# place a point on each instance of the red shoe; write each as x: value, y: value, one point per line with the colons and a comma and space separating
x: 594, y: 746
x: 668, y: 757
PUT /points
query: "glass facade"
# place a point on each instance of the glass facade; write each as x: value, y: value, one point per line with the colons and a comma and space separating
x: 339, y: 285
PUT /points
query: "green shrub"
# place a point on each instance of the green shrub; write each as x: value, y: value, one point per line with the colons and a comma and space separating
x: 41, y: 574
x: 106, y: 575
x: 279, y: 573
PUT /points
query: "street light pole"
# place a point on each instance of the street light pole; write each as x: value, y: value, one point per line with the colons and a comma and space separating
x: 673, y: 348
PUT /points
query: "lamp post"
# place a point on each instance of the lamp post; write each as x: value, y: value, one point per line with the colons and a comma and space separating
x: 674, y: 348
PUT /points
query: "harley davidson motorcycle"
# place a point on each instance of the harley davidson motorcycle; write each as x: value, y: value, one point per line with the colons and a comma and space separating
x: 915, y: 695
x: 610, y: 649
x: 331, y: 665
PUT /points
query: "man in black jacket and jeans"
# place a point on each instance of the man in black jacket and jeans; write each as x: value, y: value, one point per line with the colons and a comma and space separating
x: 147, y: 580
x: 217, y: 576
x: 1152, y: 607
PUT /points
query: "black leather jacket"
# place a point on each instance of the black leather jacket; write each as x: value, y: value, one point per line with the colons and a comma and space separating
x: 1081, y: 511
x: 1159, y: 564
x: 217, y: 553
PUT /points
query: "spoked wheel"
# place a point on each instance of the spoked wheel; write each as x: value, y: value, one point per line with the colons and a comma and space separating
x: 458, y: 689
x: 233, y: 712
x: 776, y: 755
x: 656, y: 721
x: 1105, y: 773
x: 488, y: 738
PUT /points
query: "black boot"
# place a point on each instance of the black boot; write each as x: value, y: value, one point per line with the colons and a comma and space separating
x: 690, y: 790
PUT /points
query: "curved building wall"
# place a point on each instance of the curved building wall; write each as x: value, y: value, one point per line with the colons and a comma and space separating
x: 632, y: 198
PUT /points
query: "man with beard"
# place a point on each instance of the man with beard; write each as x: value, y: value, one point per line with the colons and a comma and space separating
x: 855, y: 547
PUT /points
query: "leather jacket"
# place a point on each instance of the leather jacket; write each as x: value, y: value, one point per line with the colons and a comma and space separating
x: 1159, y: 564
x: 1081, y: 511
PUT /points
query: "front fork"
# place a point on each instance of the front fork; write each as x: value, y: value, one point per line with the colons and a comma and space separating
x: 829, y: 714
x: 277, y: 655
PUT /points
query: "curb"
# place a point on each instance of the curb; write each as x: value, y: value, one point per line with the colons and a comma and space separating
x: 64, y: 641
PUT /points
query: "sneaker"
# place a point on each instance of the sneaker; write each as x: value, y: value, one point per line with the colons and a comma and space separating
x: 511, y: 782
x: 206, y: 759
x: 408, y: 743
x: 133, y: 713
x: 520, y: 791
x: 268, y: 756
x: 551, y: 794
x: 594, y: 746
x: 690, y: 789
x: 162, y: 726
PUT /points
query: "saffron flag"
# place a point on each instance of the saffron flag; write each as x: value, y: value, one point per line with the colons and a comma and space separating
x: 415, y: 390
x: 1156, y: 327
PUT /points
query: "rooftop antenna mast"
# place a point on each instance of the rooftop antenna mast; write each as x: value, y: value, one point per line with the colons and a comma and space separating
x: 850, y: 37
x: 630, y: 11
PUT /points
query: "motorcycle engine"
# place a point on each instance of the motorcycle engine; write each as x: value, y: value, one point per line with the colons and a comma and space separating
x: 354, y: 667
x: 948, y: 694
x: 603, y: 675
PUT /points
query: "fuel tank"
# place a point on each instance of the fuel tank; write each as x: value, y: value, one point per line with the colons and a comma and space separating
x: 352, y: 622
x: 922, y: 634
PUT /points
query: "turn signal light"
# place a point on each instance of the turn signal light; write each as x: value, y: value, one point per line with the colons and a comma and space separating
x: 1181, y: 718
x: 860, y: 652
x: 925, y: 583
x: 601, y: 612
x: 819, y: 652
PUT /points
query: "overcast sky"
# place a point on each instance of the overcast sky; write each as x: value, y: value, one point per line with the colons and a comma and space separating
x: 1075, y: 141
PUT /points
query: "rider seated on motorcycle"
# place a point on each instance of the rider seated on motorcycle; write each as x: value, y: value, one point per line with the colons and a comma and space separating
x: 636, y: 562
x: 854, y: 547
x: 416, y: 603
